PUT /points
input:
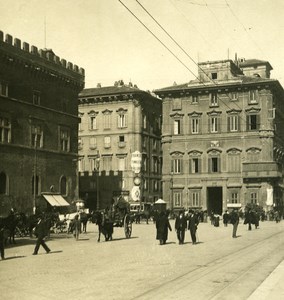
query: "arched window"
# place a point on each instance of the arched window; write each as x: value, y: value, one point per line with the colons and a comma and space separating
x: 3, y: 181
x: 63, y: 185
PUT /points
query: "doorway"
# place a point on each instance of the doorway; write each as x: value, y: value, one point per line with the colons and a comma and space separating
x: 215, y: 200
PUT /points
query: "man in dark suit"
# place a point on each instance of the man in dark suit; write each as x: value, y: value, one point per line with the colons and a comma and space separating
x: 180, y: 226
x: 235, y: 221
x: 192, y: 225
x: 41, y: 231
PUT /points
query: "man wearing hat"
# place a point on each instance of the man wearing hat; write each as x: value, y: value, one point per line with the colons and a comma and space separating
x: 41, y: 231
x: 180, y: 226
x: 192, y: 225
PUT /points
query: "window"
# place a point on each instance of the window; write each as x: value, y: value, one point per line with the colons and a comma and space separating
x: 234, y: 96
x: 155, y: 185
x: 121, y: 163
x: 122, y: 121
x: 3, y: 183
x: 233, y: 123
x: 93, y: 143
x: 80, y: 143
x: 81, y: 164
x: 214, y: 164
x: 93, y: 122
x: 234, y: 161
x: 195, y: 165
x: 144, y: 122
x: 253, y: 198
x: 177, y: 199
x: 214, y: 75
x: 234, y: 197
x: 107, y: 162
x: 155, y: 164
x: 195, y: 125
x: 177, y: 129
x: 3, y: 89
x: 213, y: 124
x: 107, y: 142
x: 5, y: 130
x: 252, y: 96
x: 195, y: 199
x: 36, y: 136
x: 213, y: 99
x: 253, y: 122
x: 121, y: 139
x: 63, y: 185
x: 64, y: 140
x: 107, y: 120
x: 176, y: 166
x: 177, y: 104
x: 36, y: 98
x: 195, y: 99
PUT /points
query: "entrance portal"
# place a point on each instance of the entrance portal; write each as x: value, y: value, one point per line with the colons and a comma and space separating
x: 215, y: 200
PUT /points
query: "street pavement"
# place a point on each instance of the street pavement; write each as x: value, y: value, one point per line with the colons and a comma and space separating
x: 218, y: 267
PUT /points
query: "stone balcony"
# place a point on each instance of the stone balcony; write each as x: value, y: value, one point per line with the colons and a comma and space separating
x: 261, y: 169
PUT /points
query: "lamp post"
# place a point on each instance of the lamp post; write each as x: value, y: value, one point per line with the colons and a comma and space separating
x: 35, y: 173
x: 172, y: 191
x: 97, y: 168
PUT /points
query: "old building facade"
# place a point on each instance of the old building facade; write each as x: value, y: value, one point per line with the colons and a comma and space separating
x: 38, y: 125
x: 222, y: 138
x: 117, y: 122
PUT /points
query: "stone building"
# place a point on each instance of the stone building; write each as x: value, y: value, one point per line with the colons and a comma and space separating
x: 38, y: 125
x: 118, y: 122
x: 223, y: 138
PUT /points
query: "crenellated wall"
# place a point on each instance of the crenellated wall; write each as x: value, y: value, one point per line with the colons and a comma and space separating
x: 44, y: 58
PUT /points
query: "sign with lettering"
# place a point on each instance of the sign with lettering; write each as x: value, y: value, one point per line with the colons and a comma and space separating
x: 136, y: 160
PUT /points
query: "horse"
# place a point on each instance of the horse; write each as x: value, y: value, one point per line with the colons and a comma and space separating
x: 10, y: 224
x: 105, y: 226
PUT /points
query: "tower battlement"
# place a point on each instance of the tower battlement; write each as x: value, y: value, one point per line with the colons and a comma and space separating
x: 44, y: 57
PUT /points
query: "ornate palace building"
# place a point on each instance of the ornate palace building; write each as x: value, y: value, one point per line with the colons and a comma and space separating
x: 38, y: 125
x: 223, y: 138
x: 117, y: 123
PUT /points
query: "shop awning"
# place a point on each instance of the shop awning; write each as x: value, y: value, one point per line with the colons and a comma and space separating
x: 55, y: 200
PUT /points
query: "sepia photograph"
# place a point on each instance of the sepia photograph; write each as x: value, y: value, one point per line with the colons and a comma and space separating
x: 142, y: 149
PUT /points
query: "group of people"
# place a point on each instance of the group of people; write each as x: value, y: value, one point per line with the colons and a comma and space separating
x: 182, y: 223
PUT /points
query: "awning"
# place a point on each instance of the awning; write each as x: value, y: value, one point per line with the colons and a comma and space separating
x: 55, y: 200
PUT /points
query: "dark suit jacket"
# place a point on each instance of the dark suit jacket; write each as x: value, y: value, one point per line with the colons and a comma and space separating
x: 192, y: 222
x: 181, y: 223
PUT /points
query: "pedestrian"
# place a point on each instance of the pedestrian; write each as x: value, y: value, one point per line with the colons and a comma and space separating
x: 2, y: 243
x: 226, y: 218
x: 41, y: 231
x: 76, y: 227
x: 216, y: 220
x: 192, y: 225
x: 234, y: 221
x: 180, y: 226
x: 249, y: 218
x: 162, y: 227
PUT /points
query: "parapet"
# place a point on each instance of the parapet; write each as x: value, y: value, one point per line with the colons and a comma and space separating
x: 45, y: 54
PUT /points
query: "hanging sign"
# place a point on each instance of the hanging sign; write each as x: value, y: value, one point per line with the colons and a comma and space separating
x: 136, y: 159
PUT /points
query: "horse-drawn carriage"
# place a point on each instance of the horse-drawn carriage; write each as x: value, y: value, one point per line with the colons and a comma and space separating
x: 117, y: 216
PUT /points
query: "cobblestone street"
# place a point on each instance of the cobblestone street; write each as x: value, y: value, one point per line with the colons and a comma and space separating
x: 218, y: 267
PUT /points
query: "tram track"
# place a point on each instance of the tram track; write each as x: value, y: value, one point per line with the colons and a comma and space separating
x: 214, y: 279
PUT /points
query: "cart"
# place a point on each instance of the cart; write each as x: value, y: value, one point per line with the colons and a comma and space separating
x: 121, y: 216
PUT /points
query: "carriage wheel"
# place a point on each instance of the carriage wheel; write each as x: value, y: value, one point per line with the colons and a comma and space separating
x: 127, y: 226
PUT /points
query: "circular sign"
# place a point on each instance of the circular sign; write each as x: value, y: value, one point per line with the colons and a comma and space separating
x: 137, y: 180
x: 135, y: 193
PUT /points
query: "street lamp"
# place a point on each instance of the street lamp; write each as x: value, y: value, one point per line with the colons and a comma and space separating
x: 172, y: 191
x: 97, y: 168
x: 35, y: 172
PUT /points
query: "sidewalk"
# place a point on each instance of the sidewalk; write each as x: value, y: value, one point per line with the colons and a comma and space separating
x: 272, y: 287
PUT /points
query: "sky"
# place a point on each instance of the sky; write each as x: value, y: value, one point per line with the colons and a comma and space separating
x: 106, y: 39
